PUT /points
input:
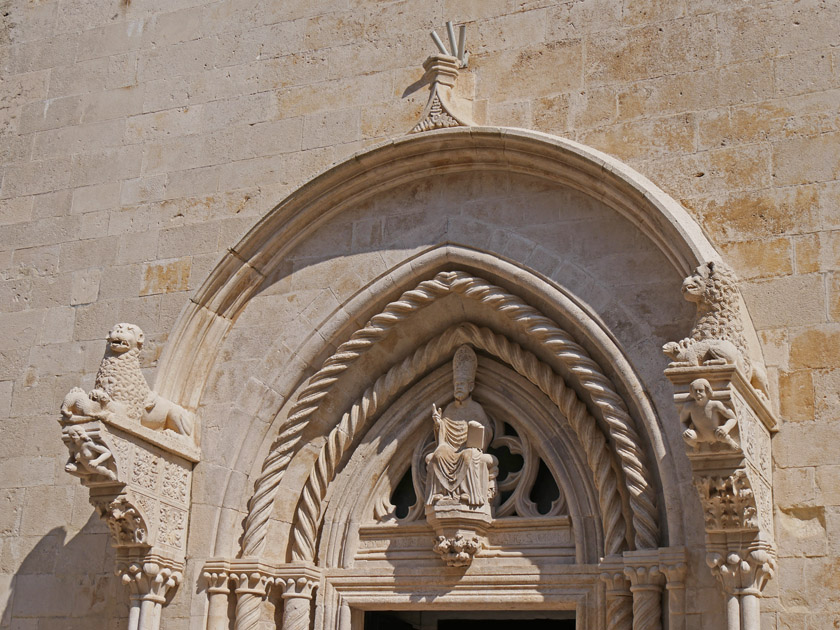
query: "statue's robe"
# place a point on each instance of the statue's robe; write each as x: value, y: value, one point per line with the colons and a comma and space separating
x: 457, y: 467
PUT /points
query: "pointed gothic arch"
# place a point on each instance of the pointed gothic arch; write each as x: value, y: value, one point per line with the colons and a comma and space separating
x: 297, y: 448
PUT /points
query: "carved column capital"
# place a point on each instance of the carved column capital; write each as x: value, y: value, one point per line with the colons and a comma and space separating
x: 646, y: 579
x: 673, y: 563
x: 618, y: 595
x: 616, y: 581
x: 217, y: 582
x: 674, y: 575
x: 149, y: 580
x: 743, y: 572
x: 642, y: 568
x: 255, y: 582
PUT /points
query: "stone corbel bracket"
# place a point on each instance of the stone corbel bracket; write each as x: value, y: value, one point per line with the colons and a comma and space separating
x: 140, y: 485
x: 460, y: 532
x: 733, y: 476
x: 140, y: 482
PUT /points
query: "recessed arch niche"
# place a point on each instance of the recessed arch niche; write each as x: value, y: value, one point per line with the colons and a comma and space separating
x: 462, y: 201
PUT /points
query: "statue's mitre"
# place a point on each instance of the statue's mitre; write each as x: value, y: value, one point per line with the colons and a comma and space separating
x: 465, y: 363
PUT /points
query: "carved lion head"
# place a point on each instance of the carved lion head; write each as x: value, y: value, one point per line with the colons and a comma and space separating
x: 711, y: 283
x: 125, y: 337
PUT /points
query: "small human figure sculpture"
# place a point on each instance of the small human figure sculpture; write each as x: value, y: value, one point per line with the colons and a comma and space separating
x: 458, y: 468
x: 86, y: 456
x: 707, y: 421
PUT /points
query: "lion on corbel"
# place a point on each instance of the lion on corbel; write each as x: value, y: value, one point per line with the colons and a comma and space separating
x: 717, y: 337
x: 120, y: 389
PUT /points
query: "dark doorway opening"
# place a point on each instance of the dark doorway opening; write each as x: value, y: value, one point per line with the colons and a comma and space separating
x: 472, y: 620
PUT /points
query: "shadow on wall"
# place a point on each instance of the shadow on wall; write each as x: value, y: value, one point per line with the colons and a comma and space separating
x: 66, y: 584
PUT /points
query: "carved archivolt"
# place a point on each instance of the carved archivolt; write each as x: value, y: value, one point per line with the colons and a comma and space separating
x: 387, y: 386
x: 543, y: 330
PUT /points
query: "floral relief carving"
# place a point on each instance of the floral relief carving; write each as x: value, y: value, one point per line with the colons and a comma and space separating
x: 175, y: 482
x: 126, y: 523
x: 171, y: 526
x: 144, y: 473
x: 728, y: 502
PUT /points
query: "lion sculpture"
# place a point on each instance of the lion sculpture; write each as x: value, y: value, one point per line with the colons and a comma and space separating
x: 120, y: 389
x: 717, y: 337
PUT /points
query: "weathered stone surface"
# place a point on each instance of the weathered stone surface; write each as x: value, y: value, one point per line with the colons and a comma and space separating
x: 139, y: 141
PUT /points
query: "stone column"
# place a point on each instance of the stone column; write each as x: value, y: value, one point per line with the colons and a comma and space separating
x: 251, y: 589
x: 674, y: 568
x: 619, y: 600
x: 297, y: 601
x: 149, y: 583
x: 646, y: 586
x: 726, y: 568
x: 756, y: 569
x: 743, y: 575
x: 217, y: 595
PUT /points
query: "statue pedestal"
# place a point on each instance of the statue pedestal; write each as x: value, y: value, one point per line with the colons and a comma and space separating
x: 459, y: 530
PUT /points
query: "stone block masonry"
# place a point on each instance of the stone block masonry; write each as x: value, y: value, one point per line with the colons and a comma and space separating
x: 140, y: 139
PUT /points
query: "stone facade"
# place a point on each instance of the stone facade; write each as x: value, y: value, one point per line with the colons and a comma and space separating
x: 140, y: 141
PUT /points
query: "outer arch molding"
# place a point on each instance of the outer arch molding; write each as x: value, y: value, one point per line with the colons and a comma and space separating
x: 246, y: 268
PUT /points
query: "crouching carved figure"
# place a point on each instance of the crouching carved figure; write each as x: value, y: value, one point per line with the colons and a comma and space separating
x: 708, y: 422
x: 461, y: 476
x: 121, y: 390
x: 717, y: 337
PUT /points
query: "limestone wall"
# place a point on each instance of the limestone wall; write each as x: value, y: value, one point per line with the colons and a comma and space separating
x: 139, y: 139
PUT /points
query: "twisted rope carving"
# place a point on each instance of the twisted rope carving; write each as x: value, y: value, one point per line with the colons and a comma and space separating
x: 308, y: 512
x: 296, y: 613
x: 647, y: 610
x: 247, y: 611
x: 540, y: 327
x: 619, y: 612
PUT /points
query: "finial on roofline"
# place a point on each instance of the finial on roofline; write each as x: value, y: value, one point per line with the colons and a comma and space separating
x: 443, y: 108
x: 458, y: 50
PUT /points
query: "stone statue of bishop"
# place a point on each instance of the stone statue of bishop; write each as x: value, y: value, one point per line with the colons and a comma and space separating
x: 459, y: 470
